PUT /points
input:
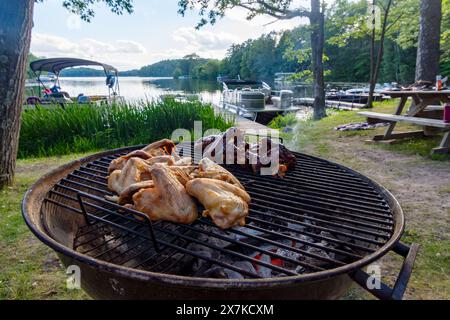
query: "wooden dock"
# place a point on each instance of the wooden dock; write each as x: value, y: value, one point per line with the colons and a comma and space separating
x: 248, y: 125
x: 332, y: 104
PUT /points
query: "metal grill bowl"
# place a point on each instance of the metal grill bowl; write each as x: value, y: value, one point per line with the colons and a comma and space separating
x: 68, y: 203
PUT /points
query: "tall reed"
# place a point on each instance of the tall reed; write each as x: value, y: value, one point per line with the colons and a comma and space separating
x: 82, y: 128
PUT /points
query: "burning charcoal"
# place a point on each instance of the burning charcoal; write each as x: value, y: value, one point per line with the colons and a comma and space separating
x: 264, y: 271
x: 288, y: 253
x: 248, y: 231
x: 215, y: 272
x: 295, y: 226
x: 243, y: 265
x: 200, y: 263
x: 300, y: 270
x: 231, y: 274
x: 304, y: 238
x: 213, y: 240
x: 327, y: 234
x: 318, y: 252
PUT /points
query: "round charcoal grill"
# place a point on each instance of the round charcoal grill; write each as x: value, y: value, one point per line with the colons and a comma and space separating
x: 308, y: 235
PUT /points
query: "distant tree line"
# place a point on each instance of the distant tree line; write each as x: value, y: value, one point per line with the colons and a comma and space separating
x: 346, y: 54
x: 192, y: 66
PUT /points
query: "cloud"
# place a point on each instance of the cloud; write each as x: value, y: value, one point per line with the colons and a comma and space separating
x: 204, y: 39
x: 123, y: 52
x: 207, y: 44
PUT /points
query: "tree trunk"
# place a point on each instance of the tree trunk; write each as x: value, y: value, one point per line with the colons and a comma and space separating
x: 428, y: 54
x: 317, y: 20
x: 16, y: 22
x: 376, y: 67
x: 372, y: 57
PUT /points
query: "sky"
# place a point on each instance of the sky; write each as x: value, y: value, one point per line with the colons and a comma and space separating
x: 154, y: 32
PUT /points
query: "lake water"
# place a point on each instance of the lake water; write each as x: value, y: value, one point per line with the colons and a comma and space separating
x: 136, y: 88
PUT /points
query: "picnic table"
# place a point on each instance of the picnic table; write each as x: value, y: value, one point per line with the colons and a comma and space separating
x: 423, y: 104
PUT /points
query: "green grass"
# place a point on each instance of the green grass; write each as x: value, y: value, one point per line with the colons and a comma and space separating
x: 314, y: 132
x: 281, y: 122
x: 83, y: 128
x: 431, y: 275
x: 28, y: 269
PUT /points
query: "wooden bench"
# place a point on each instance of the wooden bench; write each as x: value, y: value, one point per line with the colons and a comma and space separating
x: 425, y: 122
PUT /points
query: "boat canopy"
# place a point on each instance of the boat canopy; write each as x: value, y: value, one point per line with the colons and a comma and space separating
x: 55, y: 65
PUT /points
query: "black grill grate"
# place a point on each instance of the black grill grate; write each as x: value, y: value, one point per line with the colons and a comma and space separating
x: 319, y: 217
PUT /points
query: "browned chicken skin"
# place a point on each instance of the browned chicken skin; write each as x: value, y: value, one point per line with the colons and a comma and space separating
x: 167, y: 200
x: 226, y: 204
x: 119, y: 163
x: 160, y: 148
x: 135, y: 170
x: 210, y: 169
x: 159, y: 183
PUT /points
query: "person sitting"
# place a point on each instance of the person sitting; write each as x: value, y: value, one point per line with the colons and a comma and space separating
x: 82, y: 99
x: 55, y: 89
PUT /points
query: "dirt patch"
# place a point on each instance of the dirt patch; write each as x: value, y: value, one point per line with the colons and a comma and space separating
x: 422, y: 187
x: 418, y: 184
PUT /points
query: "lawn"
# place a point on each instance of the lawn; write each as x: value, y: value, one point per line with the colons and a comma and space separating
x: 419, y: 181
x: 29, y: 270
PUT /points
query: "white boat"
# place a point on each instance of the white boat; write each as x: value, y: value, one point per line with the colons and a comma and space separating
x: 254, y: 100
x: 54, y: 94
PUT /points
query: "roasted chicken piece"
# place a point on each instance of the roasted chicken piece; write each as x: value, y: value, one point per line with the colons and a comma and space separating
x: 160, y: 148
x: 167, y: 200
x: 184, y: 161
x: 260, y: 156
x: 119, y: 163
x: 226, y: 204
x: 135, y: 170
x: 183, y: 173
x: 210, y: 169
x: 169, y: 160
x: 126, y: 196
x: 228, y: 147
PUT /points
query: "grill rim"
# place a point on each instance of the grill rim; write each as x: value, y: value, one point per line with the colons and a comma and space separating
x: 34, y: 197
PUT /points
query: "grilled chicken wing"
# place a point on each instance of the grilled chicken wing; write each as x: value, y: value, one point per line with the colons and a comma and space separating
x: 167, y: 200
x: 226, y: 204
x: 210, y: 169
x: 135, y: 170
x: 126, y: 196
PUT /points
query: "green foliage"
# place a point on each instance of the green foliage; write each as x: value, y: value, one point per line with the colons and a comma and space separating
x: 191, y: 65
x: 281, y: 122
x: 82, y: 128
x: 207, y: 71
x: 82, y: 72
x: 211, y: 10
x: 31, y: 58
x: 445, y: 38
